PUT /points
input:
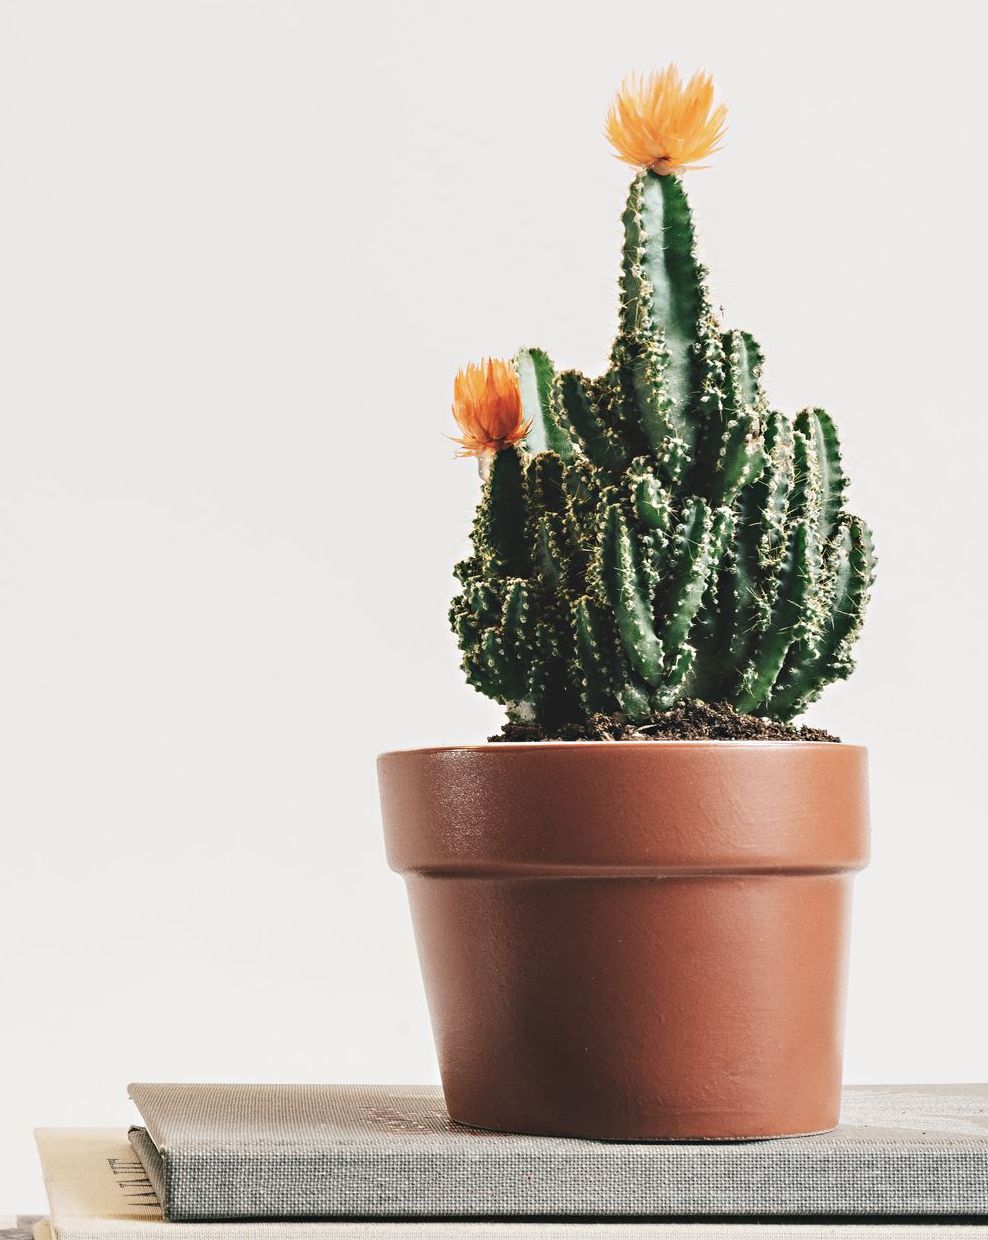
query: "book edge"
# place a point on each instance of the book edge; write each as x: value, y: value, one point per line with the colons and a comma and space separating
x: 92, y: 1225
x: 154, y: 1164
x: 134, y: 1093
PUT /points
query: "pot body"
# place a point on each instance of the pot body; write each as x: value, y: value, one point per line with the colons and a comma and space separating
x: 633, y: 940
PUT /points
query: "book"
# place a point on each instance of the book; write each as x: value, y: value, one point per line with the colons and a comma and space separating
x: 345, y: 1151
x: 97, y: 1190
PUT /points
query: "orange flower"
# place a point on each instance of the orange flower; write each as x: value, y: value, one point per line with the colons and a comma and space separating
x: 487, y: 408
x: 656, y: 122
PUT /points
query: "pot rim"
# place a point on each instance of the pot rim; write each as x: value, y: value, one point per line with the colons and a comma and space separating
x: 613, y: 808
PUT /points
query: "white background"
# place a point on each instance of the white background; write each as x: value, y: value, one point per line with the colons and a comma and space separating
x: 243, y: 248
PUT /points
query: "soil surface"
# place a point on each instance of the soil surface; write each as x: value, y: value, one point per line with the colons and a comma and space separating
x: 689, y: 721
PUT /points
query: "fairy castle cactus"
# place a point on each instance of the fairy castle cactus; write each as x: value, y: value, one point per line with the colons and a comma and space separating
x: 658, y: 532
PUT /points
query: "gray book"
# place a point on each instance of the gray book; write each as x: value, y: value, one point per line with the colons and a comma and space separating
x: 232, y: 1152
x: 97, y: 1190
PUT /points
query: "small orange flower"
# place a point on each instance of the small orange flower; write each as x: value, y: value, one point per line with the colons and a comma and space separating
x: 487, y: 408
x: 656, y: 122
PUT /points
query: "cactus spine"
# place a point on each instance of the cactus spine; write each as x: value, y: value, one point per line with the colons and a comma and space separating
x: 660, y: 533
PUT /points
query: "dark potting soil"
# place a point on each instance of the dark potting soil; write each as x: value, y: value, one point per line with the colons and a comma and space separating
x: 689, y: 721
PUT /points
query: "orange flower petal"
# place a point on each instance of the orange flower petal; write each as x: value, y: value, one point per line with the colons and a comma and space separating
x: 656, y: 122
x: 487, y: 408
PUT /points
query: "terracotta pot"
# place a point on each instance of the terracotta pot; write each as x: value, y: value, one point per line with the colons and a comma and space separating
x: 637, y: 940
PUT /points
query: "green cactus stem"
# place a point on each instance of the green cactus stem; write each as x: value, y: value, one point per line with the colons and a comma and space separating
x: 661, y: 533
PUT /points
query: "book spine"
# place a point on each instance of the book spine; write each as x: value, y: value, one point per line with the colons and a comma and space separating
x: 586, y: 1182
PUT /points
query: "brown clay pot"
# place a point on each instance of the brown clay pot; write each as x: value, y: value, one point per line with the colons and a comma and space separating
x: 633, y: 940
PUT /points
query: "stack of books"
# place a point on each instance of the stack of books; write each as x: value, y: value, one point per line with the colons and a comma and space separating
x: 324, y: 1162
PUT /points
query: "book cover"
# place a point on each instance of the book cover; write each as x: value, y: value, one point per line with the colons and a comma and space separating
x: 97, y: 1191
x: 325, y: 1151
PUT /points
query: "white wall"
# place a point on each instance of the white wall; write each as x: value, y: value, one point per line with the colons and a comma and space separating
x: 243, y: 247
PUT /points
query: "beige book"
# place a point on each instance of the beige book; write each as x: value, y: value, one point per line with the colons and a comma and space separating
x: 98, y: 1190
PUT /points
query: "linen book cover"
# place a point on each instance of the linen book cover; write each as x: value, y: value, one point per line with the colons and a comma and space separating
x: 348, y: 1151
x: 98, y: 1191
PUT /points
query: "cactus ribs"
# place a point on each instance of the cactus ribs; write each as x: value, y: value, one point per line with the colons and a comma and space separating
x: 659, y: 534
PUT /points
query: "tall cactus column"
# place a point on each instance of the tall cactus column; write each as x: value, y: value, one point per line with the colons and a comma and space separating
x: 656, y: 533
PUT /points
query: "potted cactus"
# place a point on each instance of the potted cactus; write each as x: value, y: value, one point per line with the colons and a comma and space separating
x: 632, y: 908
